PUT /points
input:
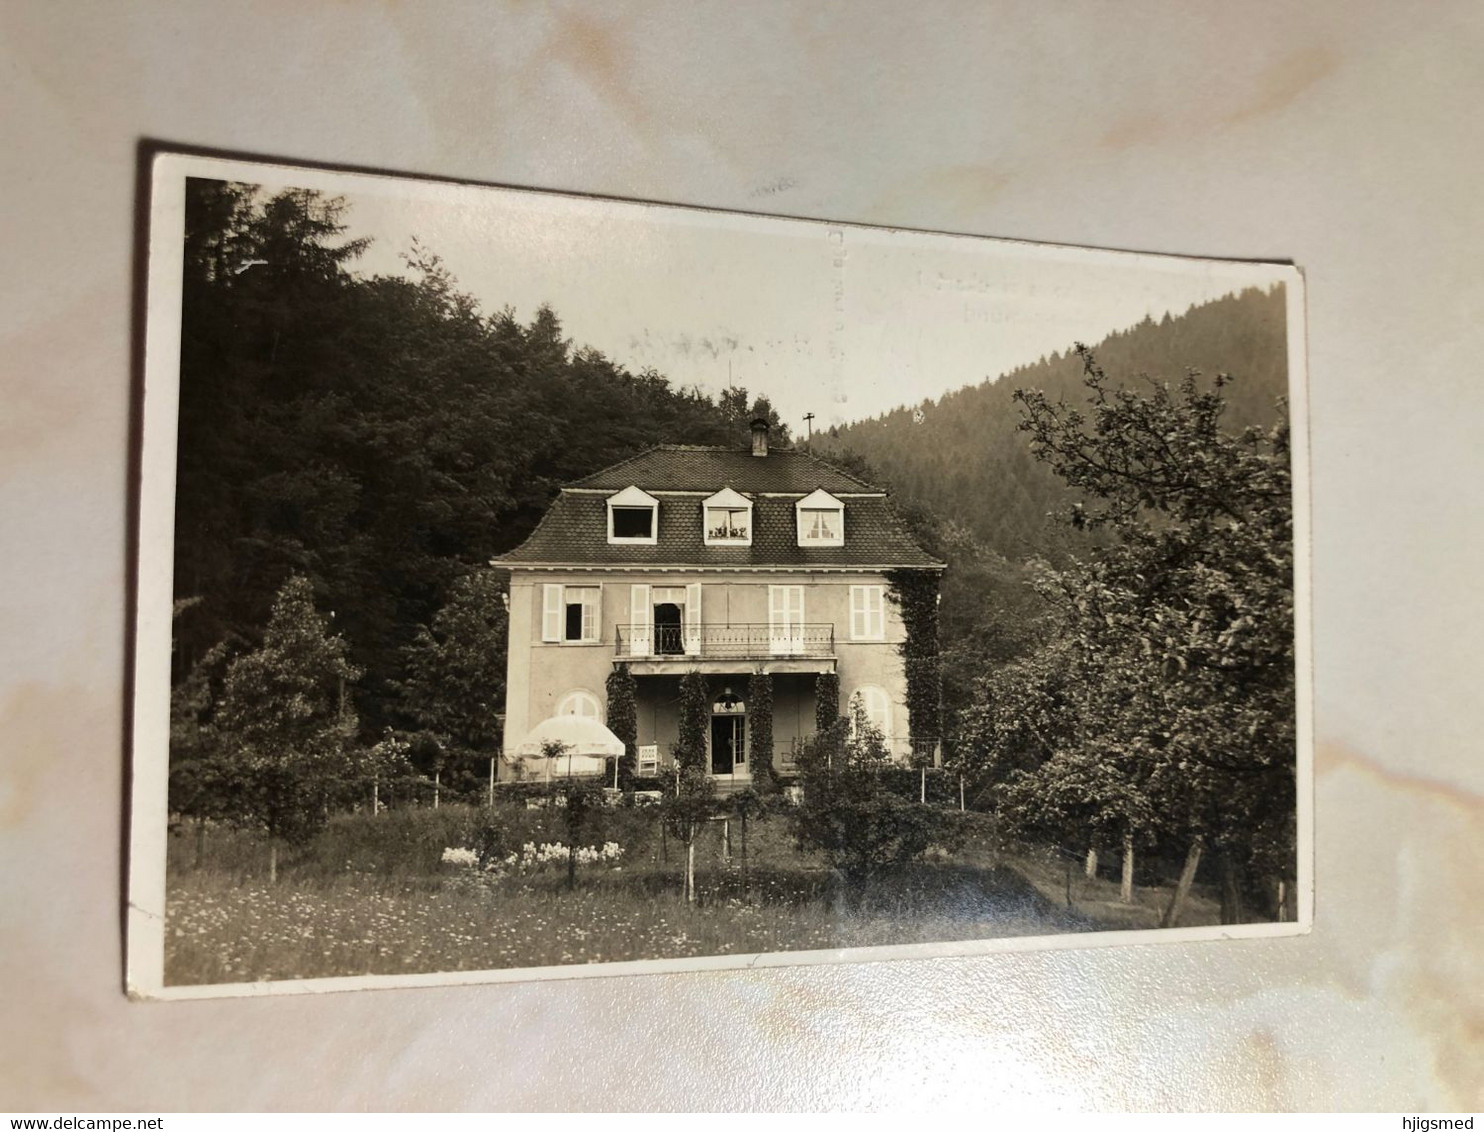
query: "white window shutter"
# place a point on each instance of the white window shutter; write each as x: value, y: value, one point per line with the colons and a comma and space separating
x: 857, y: 613
x: 786, y: 619
x: 874, y: 613
x: 592, y: 608
x: 641, y: 618
x: 551, y: 613
x: 693, y: 619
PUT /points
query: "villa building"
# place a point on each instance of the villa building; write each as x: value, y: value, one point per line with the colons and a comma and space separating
x: 719, y: 560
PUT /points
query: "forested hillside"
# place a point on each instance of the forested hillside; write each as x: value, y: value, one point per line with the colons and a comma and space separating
x: 962, y: 457
x: 381, y: 437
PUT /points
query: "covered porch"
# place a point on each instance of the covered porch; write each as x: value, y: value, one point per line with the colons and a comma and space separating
x: 729, y: 755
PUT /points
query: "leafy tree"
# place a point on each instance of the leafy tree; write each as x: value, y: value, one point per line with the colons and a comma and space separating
x: 1175, y: 641
x: 738, y: 411
x: 850, y: 814
x: 748, y: 805
x: 285, y: 723
x: 580, y: 799
x: 687, y: 811
x: 1037, y: 742
x: 388, y: 765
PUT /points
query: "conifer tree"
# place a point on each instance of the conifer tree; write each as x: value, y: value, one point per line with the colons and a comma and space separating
x: 454, y: 683
x: 286, y: 724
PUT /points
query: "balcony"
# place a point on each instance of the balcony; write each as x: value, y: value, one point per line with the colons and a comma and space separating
x: 657, y: 649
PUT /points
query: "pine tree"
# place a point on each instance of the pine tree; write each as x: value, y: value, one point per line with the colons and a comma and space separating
x: 454, y: 687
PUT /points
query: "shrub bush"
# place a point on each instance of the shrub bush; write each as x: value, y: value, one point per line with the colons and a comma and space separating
x: 851, y: 814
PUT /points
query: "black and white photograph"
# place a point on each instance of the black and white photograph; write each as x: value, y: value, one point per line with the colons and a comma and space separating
x: 538, y: 586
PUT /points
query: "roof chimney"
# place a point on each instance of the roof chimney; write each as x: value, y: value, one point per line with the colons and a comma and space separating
x: 760, y: 437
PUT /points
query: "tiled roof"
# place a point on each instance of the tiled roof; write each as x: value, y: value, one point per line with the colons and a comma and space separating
x: 575, y: 532
x: 673, y: 467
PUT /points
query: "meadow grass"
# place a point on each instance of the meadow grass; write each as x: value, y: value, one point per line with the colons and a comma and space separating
x: 372, y: 896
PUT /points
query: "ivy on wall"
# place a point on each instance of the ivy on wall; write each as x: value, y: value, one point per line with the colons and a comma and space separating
x: 695, y: 712
x: 915, y: 593
x: 760, y: 725
x: 826, y: 701
x: 623, y: 720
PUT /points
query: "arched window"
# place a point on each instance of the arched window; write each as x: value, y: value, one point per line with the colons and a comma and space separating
x: 875, y: 705
x: 581, y: 703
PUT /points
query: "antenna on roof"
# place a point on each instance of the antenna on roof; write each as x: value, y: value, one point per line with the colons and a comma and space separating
x: 809, y: 424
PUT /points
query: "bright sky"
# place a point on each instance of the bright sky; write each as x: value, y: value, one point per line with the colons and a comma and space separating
x: 842, y: 321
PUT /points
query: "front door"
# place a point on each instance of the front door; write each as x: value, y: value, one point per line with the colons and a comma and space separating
x: 727, y: 744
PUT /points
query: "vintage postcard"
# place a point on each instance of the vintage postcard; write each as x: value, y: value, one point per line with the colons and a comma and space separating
x: 539, y: 586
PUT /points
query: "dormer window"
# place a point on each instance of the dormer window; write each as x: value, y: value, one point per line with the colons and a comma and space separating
x: 821, y: 520
x: 633, y: 517
x: 726, y: 519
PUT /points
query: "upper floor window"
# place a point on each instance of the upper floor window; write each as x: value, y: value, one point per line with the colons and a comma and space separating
x: 727, y: 519
x: 867, y: 613
x: 633, y: 517
x: 570, y: 614
x: 821, y: 520
x: 664, y: 620
x: 786, y: 620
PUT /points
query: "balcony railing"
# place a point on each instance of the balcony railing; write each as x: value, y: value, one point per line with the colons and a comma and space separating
x: 723, y: 642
